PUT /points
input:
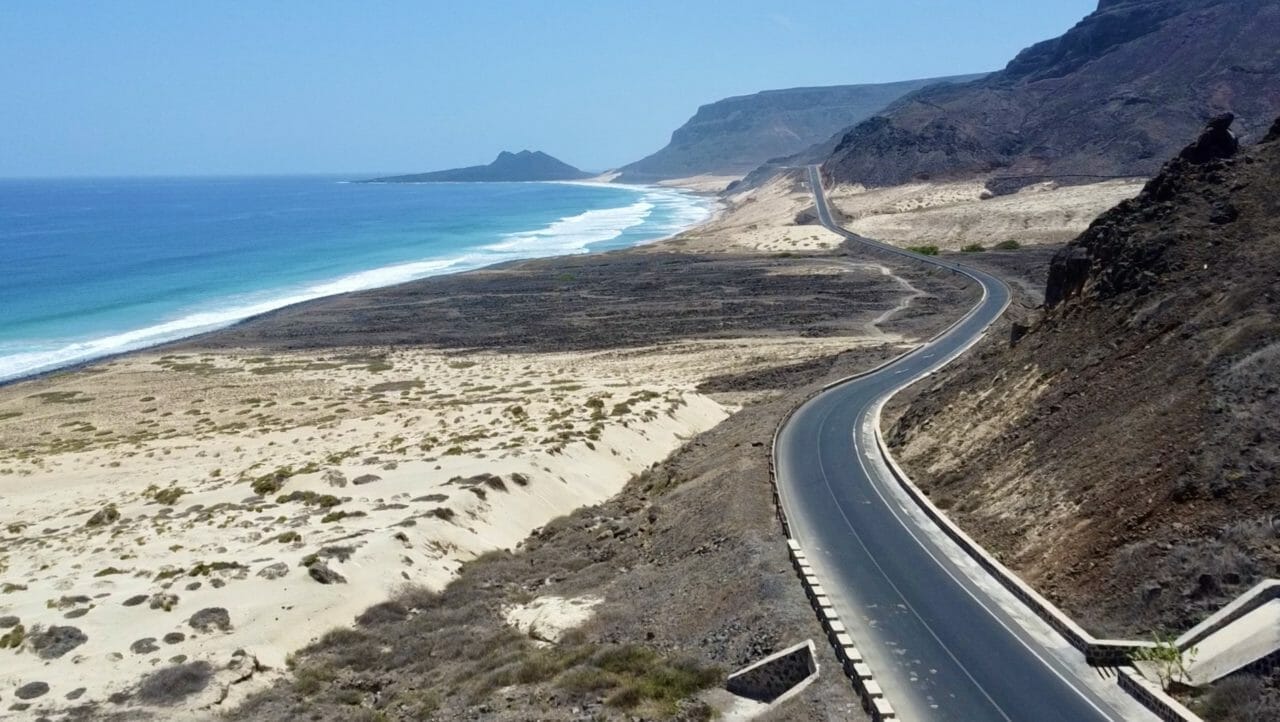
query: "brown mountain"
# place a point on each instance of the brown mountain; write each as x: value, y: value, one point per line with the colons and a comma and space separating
x: 1113, y: 96
x: 734, y: 135
x: 1123, y: 454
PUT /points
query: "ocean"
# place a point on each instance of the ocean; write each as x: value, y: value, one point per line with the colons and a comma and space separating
x: 93, y: 267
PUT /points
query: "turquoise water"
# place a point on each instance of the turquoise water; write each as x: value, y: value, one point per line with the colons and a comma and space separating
x: 92, y: 267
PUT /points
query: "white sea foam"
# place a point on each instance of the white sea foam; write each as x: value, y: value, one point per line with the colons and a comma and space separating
x: 572, y: 234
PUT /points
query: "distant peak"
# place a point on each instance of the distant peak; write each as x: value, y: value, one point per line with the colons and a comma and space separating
x: 526, y: 165
x: 526, y: 153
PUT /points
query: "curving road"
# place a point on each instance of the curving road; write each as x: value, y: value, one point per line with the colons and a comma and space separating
x: 940, y: 644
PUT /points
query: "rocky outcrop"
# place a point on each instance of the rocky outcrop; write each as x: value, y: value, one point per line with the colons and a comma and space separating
x: 1104, y: 259
x: 1068, y: 272
x: 1273, y: 134
x: 1216, y: 142
x: 1113, y: 96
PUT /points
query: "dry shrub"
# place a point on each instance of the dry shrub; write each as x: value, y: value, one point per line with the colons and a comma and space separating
x: 171, y: 685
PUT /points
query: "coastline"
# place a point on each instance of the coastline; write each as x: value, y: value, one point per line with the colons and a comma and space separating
x: 709, y: 211
x: 234, y: 463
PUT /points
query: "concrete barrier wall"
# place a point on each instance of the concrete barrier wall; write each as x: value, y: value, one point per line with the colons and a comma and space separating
x: 851, y: 661
x: 1260, y: 594
x: 1097, y: 652
x: 1152, y: 697
x: 778, y: 677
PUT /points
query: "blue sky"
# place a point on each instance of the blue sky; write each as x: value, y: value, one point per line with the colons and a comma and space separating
x: 199, y: 87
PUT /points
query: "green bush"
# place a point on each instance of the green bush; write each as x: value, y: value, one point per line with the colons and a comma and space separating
x: 170, y: 685
x: 924, y: 250
x: 169, y: 496
x: 973, y: 248
x: 272, y: 482
x: 339, y: 516
x: 1010, y: 245
x: 312, y: 678
x: 13, y: 638
x: 585, y: 680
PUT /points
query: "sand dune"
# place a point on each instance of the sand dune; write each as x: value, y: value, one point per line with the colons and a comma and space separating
x: 177, y: 508
x: 763, y: 220
x: 952, y: 215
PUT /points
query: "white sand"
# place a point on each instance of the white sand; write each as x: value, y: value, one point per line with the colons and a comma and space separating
x: 762, y: 220
x: 952, y: 215
x: 546, y: 619
x: 574, y: 427
x: 462, y: 421
x: 701, y: 183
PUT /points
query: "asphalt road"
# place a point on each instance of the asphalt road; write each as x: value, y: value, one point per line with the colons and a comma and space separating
x: 939, y: 645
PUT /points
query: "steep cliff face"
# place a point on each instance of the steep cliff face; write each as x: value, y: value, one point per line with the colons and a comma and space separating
x: 1113, y: 96
x: 735, y: 135
x: 1123, y: 453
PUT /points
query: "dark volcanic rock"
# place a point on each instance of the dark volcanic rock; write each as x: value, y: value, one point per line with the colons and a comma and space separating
x: 1113, y: 96
x: 1101, y: 257
x: 1068, y: 272
x: 602, y: 301
x: 1274, y: 133
x: 1215, y: 142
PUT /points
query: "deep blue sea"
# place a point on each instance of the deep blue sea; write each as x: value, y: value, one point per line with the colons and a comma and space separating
x: 91, y: 267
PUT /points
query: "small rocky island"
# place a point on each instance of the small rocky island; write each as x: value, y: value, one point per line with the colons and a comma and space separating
x: 507, y: 167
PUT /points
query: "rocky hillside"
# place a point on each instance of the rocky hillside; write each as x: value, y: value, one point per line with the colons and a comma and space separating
x: 1113, y: 96
x: 1119, y: 447
x: 507, y: 167
x: 734, y: 135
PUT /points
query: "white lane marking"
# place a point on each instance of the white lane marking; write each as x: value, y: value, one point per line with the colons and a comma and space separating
x: 905, y: 603
x: 821, y: 202
x: 1070, y: 684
